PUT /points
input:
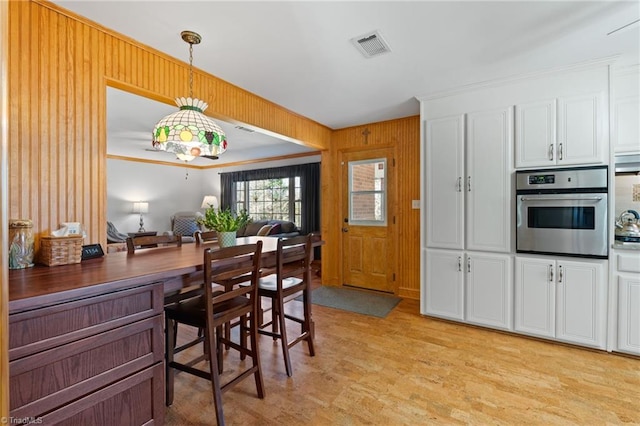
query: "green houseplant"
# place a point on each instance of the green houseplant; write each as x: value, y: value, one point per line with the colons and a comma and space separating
x: 225, y: 222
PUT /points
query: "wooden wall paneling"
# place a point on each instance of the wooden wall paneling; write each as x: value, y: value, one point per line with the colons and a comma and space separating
x: 57, y: 111
x: 404, y: 136
x: 4, y: 209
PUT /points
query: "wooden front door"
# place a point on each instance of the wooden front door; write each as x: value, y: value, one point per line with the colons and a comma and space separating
x: 368, y: 235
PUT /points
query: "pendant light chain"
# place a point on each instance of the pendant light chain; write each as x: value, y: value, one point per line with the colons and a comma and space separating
x: 191, y: 70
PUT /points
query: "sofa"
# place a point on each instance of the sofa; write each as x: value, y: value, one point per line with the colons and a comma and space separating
x: 269, y: 227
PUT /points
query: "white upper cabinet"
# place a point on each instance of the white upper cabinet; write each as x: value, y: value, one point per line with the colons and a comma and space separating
x: 469, y: 207
x: 625, y: 110
x: 562, y: 131
x: 536, y: 133
x: 488, y: 181
x: 444, y: 182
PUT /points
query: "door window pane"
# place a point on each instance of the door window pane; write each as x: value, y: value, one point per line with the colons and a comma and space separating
x: 367, y: 192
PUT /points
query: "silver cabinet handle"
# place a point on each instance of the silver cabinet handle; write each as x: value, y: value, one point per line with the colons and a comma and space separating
x: 469, y: 183
x: 459, y: 264
x: 459, y: 184
x: 551, y: 152
x: 559, y: 151
x: 560, y: 274
x: 550, y: 273
x: 468, y: 264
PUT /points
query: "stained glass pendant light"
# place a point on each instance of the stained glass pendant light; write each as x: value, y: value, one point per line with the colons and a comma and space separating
x: 189, y: 133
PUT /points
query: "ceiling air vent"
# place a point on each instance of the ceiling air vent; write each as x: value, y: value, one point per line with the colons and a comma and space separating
x: 371, y: 44
x: 245, y: 129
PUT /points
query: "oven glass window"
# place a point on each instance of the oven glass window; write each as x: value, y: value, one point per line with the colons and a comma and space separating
x: 562, y: 217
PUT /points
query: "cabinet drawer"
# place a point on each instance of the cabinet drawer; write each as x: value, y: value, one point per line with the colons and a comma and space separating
x: 34, y: 331
x: 136, y: 400
x: 628, y: 262
x: 44, y: 381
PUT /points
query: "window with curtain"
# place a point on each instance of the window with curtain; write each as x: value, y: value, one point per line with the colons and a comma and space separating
x: 287, y: 193
x: 279, y: 198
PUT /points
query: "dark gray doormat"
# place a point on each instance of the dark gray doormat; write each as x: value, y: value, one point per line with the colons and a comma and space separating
x: 358, y: 301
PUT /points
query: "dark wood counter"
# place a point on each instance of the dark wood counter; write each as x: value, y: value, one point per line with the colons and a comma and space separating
x: 43, y: 286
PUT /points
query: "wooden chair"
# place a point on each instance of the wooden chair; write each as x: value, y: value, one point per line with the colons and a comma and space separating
x: 206, y: 236
x: 211, y: 310
x: 293, y: 276
x: 134, y: 243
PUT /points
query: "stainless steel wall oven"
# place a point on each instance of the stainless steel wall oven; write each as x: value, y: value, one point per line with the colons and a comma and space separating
x: 562, y: 211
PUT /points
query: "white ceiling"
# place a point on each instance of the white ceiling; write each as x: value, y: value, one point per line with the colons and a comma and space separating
x: 298, y: 54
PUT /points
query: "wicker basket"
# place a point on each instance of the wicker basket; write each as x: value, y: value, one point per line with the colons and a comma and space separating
x: 60, y: 250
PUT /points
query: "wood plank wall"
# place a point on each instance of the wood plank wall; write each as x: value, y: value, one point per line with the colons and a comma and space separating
x: 404, y: 136
x: 59, y: 68
x: 4, y: 221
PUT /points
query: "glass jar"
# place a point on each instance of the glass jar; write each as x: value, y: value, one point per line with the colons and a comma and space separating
x: 20, y: 243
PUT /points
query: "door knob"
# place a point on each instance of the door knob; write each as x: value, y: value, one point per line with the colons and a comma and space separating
x: 345, y: 229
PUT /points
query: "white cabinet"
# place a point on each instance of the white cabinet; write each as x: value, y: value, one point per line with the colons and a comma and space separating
x: 625, y: 110
x: 469, y: 207
x: 561, y: 299
x: 562, y: 131
x: 444, y: 292
x: 488, y: 290
x: 444, y: 168
x: 473, y: 287
x: 627, y: 280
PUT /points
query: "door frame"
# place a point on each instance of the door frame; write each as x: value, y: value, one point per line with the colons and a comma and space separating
x: 392, y: 196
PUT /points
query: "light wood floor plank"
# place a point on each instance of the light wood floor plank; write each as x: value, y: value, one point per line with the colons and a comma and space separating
x: 411, y: 370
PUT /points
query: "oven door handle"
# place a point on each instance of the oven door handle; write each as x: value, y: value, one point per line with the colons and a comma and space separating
x: 561, y: 199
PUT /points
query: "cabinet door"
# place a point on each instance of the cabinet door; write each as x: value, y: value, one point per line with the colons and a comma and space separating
x: 488, y: 181
x: 626, y: 126
x: 580, y: 129
x: 625, y: 110
x: 488, y: 292
x: 581, y: 303
x: 629, y: 313
x: 444, y: 290
x: 536, y: 134
x: 444, y: 176
x: 535, y: 298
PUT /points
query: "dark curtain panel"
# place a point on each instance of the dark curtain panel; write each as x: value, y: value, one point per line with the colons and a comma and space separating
x: 227, y: 191
x: 309, y: 181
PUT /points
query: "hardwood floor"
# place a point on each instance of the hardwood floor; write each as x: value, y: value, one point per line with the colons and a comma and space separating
x: 411, y: 370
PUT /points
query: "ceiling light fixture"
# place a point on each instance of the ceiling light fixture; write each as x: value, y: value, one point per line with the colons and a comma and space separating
x: 189, y: 133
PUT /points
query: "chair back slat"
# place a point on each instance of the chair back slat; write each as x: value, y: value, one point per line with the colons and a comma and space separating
x: 293, y: 257
x: 149, y: 241
x: 206, y: 236
x: 228, y: 265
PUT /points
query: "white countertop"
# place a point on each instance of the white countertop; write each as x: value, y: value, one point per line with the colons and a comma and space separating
x: 625, y: 246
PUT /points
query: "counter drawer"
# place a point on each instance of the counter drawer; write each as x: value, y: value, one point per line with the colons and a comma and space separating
x: 47, y: 380
x: 628, y: 262
x: 41, y: 329
x: 136, y: 400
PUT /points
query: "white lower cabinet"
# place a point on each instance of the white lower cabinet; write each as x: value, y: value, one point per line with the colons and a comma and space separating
x: 469, y: 286
x: 629, y: 314
x: 489, y: 296
x: 445, y: 284
x: 561, y: 299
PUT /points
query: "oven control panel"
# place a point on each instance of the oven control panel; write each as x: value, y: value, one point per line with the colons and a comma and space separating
x: 541, y: 179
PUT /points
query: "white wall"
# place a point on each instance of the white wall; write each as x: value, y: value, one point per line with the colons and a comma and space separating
x: 166, y: 190
x: 163, y: 187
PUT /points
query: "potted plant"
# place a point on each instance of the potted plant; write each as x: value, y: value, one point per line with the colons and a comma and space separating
x: 225, y: 223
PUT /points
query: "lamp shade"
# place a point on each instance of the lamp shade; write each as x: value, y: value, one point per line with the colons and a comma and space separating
x: 209, y: 201
x: 141, y: 207
x: 189, y: 133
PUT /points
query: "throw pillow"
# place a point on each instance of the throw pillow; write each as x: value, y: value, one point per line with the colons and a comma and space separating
x: 264, y: 231
x: 275, y: 229
x: 184, y: 226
